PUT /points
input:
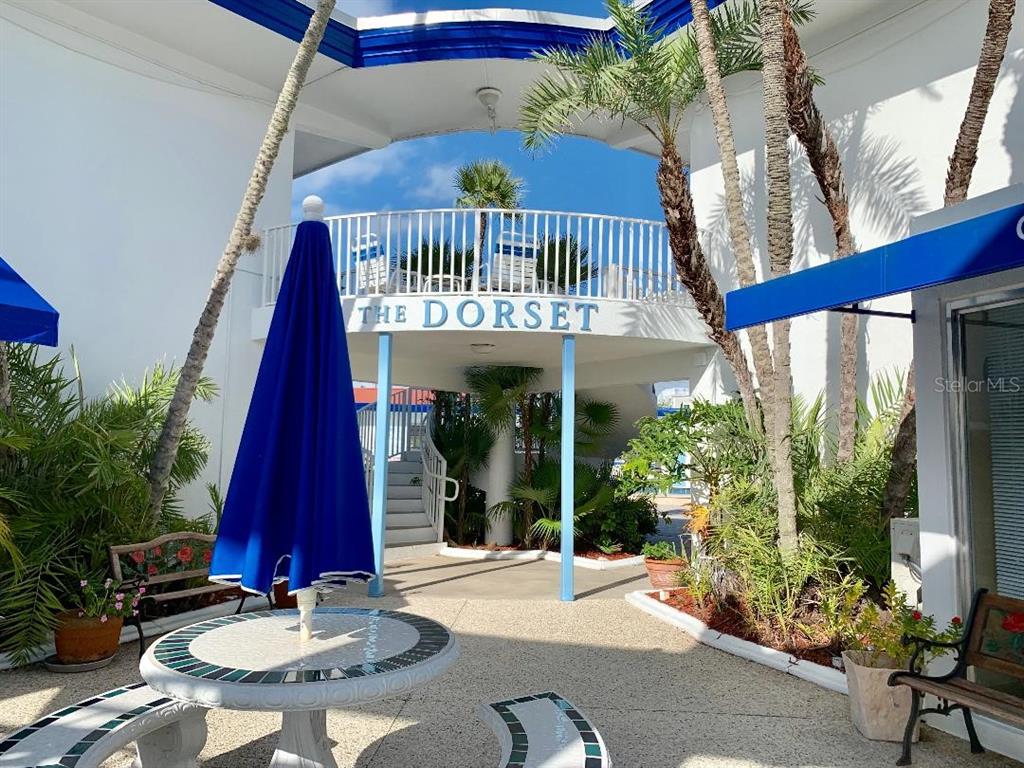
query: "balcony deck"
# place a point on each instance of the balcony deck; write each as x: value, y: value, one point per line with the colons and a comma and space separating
x: 464, y: 286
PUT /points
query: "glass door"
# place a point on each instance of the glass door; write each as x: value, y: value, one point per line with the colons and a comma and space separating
x: 991, y: 381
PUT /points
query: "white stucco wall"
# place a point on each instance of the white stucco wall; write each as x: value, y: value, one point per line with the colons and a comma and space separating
x: 117, y: 193
x: 894, y: 96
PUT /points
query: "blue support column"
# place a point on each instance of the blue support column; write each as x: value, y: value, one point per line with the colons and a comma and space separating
x: 382, y: 435
x: 568, y: 460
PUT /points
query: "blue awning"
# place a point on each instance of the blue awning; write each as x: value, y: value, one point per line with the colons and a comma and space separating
x: 989, y: 243
x: 24, y: 314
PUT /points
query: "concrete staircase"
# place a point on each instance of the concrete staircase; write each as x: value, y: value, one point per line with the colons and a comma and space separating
x: 407, y: 523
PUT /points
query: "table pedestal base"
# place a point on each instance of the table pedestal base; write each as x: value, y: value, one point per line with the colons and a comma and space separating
x: 303, y: 742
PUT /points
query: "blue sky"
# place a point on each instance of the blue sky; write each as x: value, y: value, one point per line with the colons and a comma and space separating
x: 573, y: 175
x: 381, y: 7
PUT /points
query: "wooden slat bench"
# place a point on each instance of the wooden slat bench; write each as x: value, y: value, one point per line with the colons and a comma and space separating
x: 161, y: 565
x: 169, y: 733
x: 993, y: 639
x: 544, y: 730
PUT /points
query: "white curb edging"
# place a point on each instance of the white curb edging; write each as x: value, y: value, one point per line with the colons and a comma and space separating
x: 826, y: 677
x: 539, y: 554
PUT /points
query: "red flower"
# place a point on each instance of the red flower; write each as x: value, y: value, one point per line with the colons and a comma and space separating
x: 916, y: 615
x: 138, y: 556
x: 152, y: 569
x: 208, y: 556
x: 1014, y: 622
x: 157, y: 551
x: 185, y: 554
x: 957, y: 621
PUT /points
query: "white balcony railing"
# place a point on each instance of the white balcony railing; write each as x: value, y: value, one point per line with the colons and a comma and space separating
x: 468, y: 250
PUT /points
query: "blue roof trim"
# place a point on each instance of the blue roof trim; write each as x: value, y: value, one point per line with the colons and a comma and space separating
x: 436, y: 42
x: 993, y: 242
x: 25, y: 316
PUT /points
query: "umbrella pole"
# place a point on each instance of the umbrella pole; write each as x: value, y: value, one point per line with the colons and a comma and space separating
x: 306, y: 599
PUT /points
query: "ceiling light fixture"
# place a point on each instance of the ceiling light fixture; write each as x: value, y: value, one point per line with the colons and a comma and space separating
x: 489, y: 97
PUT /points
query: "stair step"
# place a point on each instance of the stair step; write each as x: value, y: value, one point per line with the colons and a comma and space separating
x: 405, y: 492
x: 404, y: 505
x: 405, y: 467
x: 405, y: 478
x: 406, y: 520
x: 420, y: 535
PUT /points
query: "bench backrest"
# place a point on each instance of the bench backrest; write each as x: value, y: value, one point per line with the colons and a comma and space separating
x: 173, y: 557
x: 996, y: 640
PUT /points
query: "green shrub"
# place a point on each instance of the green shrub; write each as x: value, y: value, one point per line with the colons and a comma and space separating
x: 660, y: 550
x: 73, y: 480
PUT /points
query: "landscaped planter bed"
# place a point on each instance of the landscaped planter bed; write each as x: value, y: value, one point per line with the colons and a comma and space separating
x: 727, y: 634
x: 591, y: 560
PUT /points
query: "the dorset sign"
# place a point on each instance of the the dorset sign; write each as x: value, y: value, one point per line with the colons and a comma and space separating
x: 562, y: 315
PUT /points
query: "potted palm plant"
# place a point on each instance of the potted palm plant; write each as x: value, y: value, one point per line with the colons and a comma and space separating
x: 876, y: 648
x: 91, y: 631
x: 663, y: 564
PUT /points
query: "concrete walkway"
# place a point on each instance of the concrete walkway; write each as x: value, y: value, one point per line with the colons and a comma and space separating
x: 660, y: 699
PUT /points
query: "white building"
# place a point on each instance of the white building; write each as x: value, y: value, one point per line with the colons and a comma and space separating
x: 127, y: 132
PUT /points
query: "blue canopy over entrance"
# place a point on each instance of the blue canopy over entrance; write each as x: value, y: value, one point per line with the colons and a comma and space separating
x: 24, y: 315
x: 992, y: 242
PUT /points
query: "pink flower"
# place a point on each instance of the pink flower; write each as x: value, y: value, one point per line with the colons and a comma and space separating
x: 118, y: 606
x: 83, y: 583
x: 135, y: 613
x: 119, y: 596
x: 135, y: 602
x: 152, y: 570
x: 81, y: 614
x: 185, y: 554
x: 142, y: 590
x: 157, y: 551
x: 103, y: 618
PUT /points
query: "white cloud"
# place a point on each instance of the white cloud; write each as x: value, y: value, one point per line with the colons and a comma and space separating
x: 434, y: 185
x: 360, y: 169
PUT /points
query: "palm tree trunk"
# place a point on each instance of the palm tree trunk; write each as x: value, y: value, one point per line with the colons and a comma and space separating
x: 694, y: 273
x: 738, y: 229
x: 241, y: 233
x: 780, y: 256
x: 958, y: 180
x: 807, y: 123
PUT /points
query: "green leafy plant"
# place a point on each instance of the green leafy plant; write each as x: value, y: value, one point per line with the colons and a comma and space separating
x: 660, y: 550
x: 882, y: 632
x: 107, y: 599
x: 698, y: 581
x: 74, y: 480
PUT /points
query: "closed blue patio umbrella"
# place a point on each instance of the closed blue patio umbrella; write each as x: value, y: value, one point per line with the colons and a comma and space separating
x: 25, y: 316
x: 296, y: 507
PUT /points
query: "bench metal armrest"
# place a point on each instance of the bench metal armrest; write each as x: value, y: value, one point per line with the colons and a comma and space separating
x: 922, y: 644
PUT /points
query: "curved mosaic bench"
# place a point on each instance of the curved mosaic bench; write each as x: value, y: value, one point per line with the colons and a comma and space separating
x: 170, y: 733
x: 544, y: 730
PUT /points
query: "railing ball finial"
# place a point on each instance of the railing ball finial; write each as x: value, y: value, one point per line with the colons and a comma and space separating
x: 313, y: 208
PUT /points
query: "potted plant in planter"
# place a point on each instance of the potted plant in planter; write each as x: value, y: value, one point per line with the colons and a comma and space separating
x: 663, y: 564
x: 876, y: 649
x: 91, y: 631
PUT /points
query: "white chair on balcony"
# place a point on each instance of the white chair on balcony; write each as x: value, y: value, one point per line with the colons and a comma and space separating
x: 373, y: 271
x: 514, y: 265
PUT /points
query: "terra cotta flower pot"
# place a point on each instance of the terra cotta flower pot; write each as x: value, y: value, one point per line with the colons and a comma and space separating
x: 878, y: 711
x: 80, y: 639
x: 664, y: 573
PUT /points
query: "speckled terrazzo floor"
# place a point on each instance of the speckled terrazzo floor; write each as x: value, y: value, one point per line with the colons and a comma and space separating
x: 659, y: 699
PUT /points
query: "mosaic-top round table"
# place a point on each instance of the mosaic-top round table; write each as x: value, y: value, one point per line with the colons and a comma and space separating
x: 255, y: 661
